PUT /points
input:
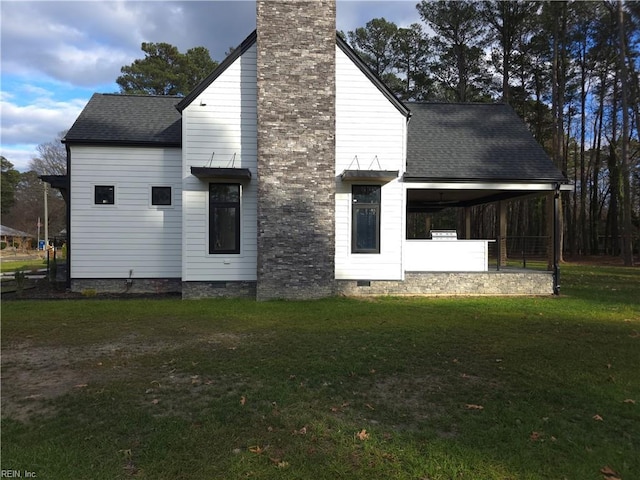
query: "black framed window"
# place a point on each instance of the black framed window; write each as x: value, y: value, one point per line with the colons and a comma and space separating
x: 224, y: 218
x: 161, y: 196
x: 365, y: 219
x: 104, y: 195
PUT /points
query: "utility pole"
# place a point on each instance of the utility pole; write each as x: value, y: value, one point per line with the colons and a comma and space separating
x: 46, y: 217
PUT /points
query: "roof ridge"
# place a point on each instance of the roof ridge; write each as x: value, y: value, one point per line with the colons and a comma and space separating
x: 138, y: 95
x: 426, y: 102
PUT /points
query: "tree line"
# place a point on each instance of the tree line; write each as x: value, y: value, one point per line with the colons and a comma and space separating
x: 568, y: 68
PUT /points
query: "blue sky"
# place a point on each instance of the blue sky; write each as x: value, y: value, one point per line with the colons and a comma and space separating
x: 55, y: 54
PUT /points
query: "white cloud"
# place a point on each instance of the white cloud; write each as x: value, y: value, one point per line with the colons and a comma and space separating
x: 55, y: 53
x: 26, y: 126
x: 85, y: 43
x: 25, y: 123
x: 19, y: 155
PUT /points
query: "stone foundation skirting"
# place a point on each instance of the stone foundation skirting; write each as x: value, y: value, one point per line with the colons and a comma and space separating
x: 454, y: 283
x: 194, y: 290
x: 505, y: 282
x: 123, y: 286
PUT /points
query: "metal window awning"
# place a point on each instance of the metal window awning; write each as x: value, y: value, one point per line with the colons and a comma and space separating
x: 369, y: 175
x: 236, y: 174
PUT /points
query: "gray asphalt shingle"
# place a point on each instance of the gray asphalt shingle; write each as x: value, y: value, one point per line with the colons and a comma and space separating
x: 128, y: 119
x: 453, y: 141
x: 446, y: 141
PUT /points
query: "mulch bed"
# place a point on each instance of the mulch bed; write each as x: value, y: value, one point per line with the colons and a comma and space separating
x: 46, y: 290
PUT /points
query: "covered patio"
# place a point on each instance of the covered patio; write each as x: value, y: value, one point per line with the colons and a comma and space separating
x: 468, y: 155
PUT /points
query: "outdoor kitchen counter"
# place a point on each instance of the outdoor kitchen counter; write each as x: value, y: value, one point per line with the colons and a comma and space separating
x: 446, y: 255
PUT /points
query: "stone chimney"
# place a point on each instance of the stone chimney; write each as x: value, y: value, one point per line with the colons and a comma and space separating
x: 296, y: 42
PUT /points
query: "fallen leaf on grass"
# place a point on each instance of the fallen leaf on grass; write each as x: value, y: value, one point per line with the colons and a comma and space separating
x: 609, y: 473
x: 471, y: 406
x: 362, y: 435
x: 81, y: 385
x: 155, y: 401
x: 339, y: 409
x: 535, y: 436
x: 257, y: 450
x: 302, y: 431
x: 243, y: 400
x: 629, y: 400
x: 369, y: 406
x: 278, y: 462
x: 597, y: 418
x: 128, y: 454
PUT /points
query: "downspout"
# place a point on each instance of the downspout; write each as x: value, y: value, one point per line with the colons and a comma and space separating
x: 556, y: 237
x: 68, y: 279
x: 405, y: 203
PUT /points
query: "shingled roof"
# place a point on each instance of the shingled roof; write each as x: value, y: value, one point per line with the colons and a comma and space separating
x: 474, y: 142
x: 115, y: 119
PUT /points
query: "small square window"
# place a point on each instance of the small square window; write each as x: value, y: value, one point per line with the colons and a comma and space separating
x: 104, y: 195
x: 161, y: 196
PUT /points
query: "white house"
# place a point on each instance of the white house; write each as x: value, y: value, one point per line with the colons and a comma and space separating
x: 288, y: 173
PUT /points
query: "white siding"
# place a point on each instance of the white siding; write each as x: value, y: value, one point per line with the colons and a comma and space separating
x: 220, y: 122
x: 368, y: 126
x: 107, y: 241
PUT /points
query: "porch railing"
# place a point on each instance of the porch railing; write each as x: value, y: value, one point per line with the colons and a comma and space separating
x: 521, y: 252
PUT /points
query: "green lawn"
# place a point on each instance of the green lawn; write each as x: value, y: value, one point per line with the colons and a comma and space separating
x: 434, y: 388
x: 26, y: 265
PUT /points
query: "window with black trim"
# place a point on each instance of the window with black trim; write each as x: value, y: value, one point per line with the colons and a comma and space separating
x: 365, y: 219
x: 104, y: 195
x: 224, y: 218
x: 161, y: 196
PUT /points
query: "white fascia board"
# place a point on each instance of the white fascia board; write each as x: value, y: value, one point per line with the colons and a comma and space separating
x: 486, y: 186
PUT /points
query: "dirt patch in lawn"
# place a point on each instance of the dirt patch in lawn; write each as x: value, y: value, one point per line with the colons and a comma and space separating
x: 34, y: 375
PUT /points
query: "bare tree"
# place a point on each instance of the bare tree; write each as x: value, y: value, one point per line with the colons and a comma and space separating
x: 52, y: 158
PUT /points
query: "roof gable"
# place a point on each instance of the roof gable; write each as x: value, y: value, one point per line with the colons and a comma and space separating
x: 116, y: 119
x: 251, y: 40
x: 458, y: 142
x: 377, y: 81
x: 219, y: 70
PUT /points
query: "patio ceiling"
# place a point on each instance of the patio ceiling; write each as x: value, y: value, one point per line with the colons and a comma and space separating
x: 437, y: 197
